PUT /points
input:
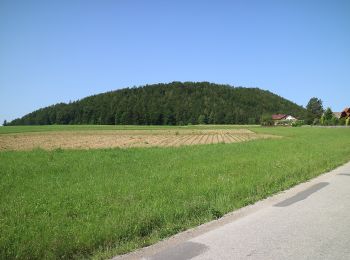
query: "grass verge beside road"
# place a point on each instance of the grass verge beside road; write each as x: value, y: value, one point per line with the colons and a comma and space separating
x: 98, y: 203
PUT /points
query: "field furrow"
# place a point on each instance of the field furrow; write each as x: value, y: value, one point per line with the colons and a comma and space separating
x: 123, y: 139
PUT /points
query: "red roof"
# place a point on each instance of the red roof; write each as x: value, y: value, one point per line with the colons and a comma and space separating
x: 345, y: 113
x: 279, y: 116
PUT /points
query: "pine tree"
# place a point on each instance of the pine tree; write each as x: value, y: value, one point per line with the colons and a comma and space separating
x: 314, y: 109
x: 175, y: 103
x: 328, y: 114
x: 201, y: 119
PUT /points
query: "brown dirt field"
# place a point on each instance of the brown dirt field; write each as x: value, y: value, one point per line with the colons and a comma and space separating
x: 123, y: 138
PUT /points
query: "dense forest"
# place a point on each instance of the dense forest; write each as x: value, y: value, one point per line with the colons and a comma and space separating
x: 175, y: 103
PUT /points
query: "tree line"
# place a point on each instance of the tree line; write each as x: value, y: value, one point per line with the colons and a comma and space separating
x: 317, y: 115
x: 176, y: 103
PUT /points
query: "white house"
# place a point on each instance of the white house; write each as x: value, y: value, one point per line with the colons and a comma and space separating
x: 292, y: 118
x: 283, y: 119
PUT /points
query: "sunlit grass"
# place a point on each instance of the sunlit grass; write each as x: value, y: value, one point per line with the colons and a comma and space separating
x: 98, y: 203
x: 49, y: 128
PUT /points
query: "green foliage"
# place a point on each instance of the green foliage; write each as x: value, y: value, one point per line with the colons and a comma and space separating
x: 347, y: 121
x: 175, y: 103
x: 328, y: 114
x: 266, y: 120
x: 334, y: 121
x: 328, y: 119
x: 83, y: 203
x: 201, y: 120
x: 50, y: 128
x: 283, y: 123
x: 342, y: 121
x: 298, y: 123
x: 314, y: 110
x: 5, y: 123
x: 316, y: 121
x: 251, y: 121
x: 323, y: 120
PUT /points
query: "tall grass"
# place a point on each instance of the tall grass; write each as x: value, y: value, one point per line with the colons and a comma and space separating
x: 97, y: 203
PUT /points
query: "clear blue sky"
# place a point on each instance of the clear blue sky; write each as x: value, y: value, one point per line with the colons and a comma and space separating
x: 56, y: 51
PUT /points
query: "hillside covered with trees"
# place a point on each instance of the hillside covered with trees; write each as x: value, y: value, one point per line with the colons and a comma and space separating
x: 175, y: 103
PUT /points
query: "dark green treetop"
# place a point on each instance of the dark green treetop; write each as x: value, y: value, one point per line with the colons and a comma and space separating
x: 176, y: 103
x: 314, y: 110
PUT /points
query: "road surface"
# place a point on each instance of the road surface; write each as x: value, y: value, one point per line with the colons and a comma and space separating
x: 309, y: 221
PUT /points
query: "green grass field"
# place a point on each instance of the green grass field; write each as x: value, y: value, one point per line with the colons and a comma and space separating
x: 98, y: 203
x: 54, y: 128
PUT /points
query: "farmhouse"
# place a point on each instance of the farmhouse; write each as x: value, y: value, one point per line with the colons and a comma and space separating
x: 345, y: 113
x: 337, y: 114
x: 283, y: 119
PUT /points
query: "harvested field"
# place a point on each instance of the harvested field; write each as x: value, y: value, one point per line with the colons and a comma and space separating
x: 123, y: 138
x: 95, y: 204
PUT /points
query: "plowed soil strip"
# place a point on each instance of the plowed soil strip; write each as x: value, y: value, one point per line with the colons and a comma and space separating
x: 191, y: 140
x: 207, y: 139
x: 201, y: 141
x: 124, y: 139
x: 234, y: 138
x: 184, y: 140
x: 213, y: 139
x: 210, y: 139
x: 240, y: 138
x: 226, y: 139
x: 176, y: 140
x: 220, y: 138
x: 243, y: 137
x: 162, y: 140
x: 216, y: 140
x: 197, y: 139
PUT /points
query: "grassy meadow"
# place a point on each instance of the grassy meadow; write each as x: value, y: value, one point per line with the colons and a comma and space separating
x: 56, y: 128
x: 103, y: 202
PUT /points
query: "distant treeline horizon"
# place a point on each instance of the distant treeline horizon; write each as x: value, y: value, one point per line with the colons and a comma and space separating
x: 176, y: 103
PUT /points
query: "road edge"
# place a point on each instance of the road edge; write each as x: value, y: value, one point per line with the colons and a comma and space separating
x: 227, y: 218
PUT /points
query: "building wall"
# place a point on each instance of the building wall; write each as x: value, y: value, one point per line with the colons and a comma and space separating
x: 290, y: 118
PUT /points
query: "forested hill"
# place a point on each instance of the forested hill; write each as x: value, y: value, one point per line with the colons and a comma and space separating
x: 175, y: 103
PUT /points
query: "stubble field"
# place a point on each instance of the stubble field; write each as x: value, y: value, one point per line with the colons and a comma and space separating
x: 124, y: 138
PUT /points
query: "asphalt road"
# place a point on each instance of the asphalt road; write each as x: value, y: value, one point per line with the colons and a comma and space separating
x: 309, y: 221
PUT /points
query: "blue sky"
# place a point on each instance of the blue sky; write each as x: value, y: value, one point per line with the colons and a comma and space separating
x: 56, y: 51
